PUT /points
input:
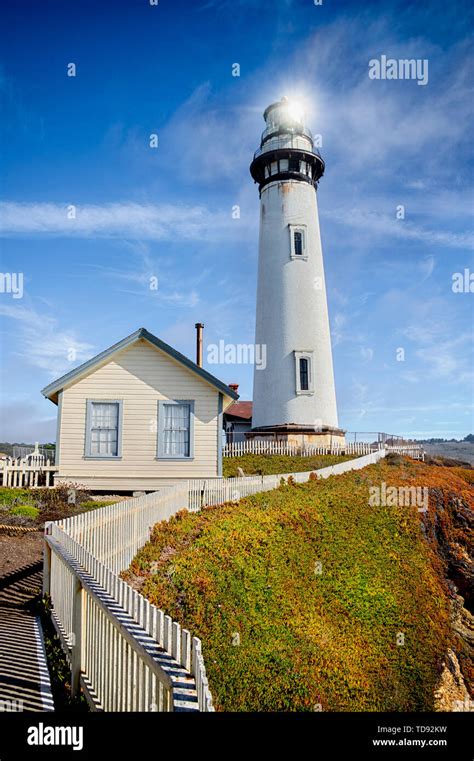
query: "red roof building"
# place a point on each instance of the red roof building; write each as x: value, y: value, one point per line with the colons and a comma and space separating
x: 237, y: 420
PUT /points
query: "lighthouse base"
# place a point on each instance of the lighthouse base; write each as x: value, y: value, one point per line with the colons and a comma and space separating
x: 298, y: 435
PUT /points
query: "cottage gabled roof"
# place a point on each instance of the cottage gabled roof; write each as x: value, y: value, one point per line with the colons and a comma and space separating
x: 51, y: 391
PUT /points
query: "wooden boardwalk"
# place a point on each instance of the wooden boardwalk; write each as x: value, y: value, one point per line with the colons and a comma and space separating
x: 24, y: 678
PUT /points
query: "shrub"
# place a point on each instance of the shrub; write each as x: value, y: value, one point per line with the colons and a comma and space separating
x: 64, y: 495
x: 28, y: 511
x: 264, y: 465
x: 10, y: 496
x: 466, y: 474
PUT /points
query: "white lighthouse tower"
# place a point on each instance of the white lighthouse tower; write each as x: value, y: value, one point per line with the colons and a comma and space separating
x: 294, y: 397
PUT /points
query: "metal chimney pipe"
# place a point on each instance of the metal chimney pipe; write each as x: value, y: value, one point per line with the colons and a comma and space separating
x: 199, y: 328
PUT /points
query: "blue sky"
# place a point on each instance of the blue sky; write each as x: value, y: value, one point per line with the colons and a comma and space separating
x: 167, y: 212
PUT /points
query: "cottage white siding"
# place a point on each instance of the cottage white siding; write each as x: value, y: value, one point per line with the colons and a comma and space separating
x: 140, y: 375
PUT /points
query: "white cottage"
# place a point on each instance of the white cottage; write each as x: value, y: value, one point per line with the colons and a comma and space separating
x: 138, y: 416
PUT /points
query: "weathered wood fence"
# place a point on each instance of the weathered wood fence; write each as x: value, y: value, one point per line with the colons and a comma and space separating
x: 27, y: 472
x: 415, y: 451
x: 124, y: 653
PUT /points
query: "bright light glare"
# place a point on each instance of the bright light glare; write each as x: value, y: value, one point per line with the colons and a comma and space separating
x: 295, y: 111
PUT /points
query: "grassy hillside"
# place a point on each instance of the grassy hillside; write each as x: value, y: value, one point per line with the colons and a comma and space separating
x: 466, y: 474
x: 317, y: 586
x: 266, y: 465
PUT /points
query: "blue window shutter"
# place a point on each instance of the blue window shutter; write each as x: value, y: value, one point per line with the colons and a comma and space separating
x: 160, y: 434
x: 220, y: 405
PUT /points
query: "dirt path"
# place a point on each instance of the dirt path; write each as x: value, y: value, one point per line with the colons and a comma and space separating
x: 24, y: 677
x: 19, y: 550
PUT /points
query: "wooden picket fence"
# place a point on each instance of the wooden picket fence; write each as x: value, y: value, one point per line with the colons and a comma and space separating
x: 415, y: 451
x: 125, y: 653
x: 240, y: 448
x: 360, y: 448
x: 28, y: 472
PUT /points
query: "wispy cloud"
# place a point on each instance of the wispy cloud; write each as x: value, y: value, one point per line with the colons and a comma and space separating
x: 427, y: 266
x: 387, y: 226
x: 443, y: 356
x: 450, y: 359
x: 42, y: 344
x: 124, y: 220
x: 154, y: 276
x: 367, y: 353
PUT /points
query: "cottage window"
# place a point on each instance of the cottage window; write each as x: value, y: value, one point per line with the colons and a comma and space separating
x: 103, y: 428
x: 175, y: 429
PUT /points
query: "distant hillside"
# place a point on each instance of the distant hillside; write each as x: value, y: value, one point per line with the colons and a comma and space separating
x: 434, y: 440
x: 454, y: 450
x: 7, y: 447
x: 308, y: 598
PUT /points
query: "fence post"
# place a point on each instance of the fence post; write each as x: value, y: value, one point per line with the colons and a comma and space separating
x: 47, y: 560
x: 76, y: 652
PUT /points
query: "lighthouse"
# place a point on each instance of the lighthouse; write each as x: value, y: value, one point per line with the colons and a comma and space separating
x: 294, y: 397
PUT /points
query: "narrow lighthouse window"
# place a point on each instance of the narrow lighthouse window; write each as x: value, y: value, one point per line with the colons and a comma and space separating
x: 304, y: 374
x: 298, y: 242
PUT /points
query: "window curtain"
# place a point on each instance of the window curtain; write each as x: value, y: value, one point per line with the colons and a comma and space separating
x: 176, y: 430
x: 104, y: 429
